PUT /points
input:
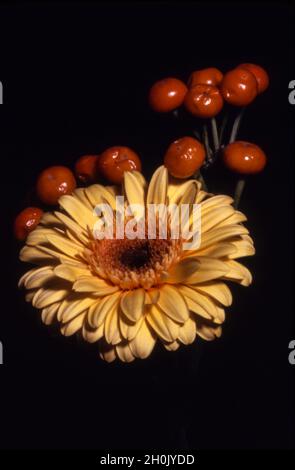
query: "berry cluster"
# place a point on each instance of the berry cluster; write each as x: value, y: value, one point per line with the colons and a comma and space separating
x: 207, y: 90
x: 207, y: 93
x: 203, y: 97
x: 56, y: 181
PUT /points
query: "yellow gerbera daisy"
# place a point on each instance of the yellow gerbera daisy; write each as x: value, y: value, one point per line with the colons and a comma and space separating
x: 127, y: 294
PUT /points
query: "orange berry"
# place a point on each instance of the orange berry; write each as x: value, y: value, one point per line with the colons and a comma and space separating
x: 244, y: 157
x: 259, y: 73
x: 26, y: 221
x: 239, y: 87
x: 184, y: 157
x: 204, y: 101
x: 53, y: 183
x: 114, y: 161
x: 167, y: 95
x: 209, y: 76
x: 86, y: 168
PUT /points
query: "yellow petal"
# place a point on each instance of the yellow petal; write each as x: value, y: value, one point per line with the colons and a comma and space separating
x: 64, y: 245
x: 80, y: 193
x: 108, y: 354
x: 55, y: 254
x: 75, y: 228
x: 234, y: 219
x: 99, y: 311
x: 124, y: 352
x: 189, y: 195
x: 95, y: 285
x: 208, y: 269
x: 132, y: 304
x: 49, y: 313
x: 173, y: 346
x: 220, y: 317
x: 203, y: 304
x: 220, y: 234
x: 45, y: 297
x: 183, y: 193
x: 220, y: 250
x: 129, y: 329
x: 188, y: 331
x: 216, y: 215
x: 22, y: 280
x: 92, y: 335
x: 215, y: 201
x: 181, y: 271
x: 208, y: 333
x: 33, y: 254
x: 71, y: 327
x: 162, y: 325
x: 73, y: 263
x: 111, y: 327
x: 69, y: 273
x: 152, y: 296
x: 40, y: 280
x: 196, y: 270
x: 98, y: 194
x: 217, y: 290
x: 201, y: 196
x: 134, y: 187
x: 78, y: 211
x: 198, y: 303
x: 36, y: 277
x: 173, y: 304
x: 243, y: 248
x: 49, y: 219
x: 69, y: 309
x: 30, y: 295
x: 238, y: 273
x: 143, y: 343
x: 39, y: 236
x: 157, y: 191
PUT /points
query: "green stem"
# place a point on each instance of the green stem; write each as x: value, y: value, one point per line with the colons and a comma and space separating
x: 236, y: 126
x: 223, y: 126
x: 238, y: 192
x: 206, y: 143
x: 215, y: 134
x: 197, y: 134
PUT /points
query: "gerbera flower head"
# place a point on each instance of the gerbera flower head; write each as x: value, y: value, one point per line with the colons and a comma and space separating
x: 127, y: 294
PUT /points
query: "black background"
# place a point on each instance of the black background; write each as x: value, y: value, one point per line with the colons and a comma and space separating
x: 75, y: 79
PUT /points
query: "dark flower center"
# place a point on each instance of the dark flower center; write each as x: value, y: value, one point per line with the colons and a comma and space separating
x: 136, y: 257
x: 133, y: 263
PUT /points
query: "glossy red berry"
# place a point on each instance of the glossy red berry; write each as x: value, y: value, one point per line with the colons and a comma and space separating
x: 86, y: 168
x: 184, y: 157
x: 260, y: 74
x: 167, y: 95
x: 53, y: 183
x: 26, y: 221
x: 114, y: 161
x: 239, y: 87
x: 244, y: 157
x: 209, y: 76
x: 204, y: 101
